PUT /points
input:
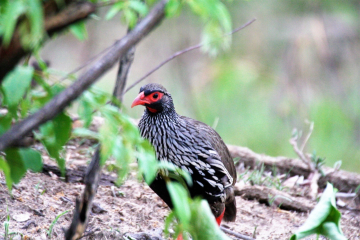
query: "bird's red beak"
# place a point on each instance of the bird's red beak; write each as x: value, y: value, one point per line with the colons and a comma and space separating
x: 140, y: 100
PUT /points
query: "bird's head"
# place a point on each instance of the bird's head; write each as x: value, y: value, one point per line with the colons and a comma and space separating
x: 155, y: 98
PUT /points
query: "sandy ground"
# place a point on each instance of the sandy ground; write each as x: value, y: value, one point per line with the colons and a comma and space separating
x: 38, y: 199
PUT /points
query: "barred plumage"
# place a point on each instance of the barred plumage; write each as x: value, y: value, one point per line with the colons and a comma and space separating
x: 191, y: 145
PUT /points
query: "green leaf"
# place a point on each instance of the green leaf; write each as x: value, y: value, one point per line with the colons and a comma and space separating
x: 117, y: 7
x: 324, y: 219
x: 6, y: 169
x: 176, y: 173
x: 85, y: 133
x: 25, y: 106
x: 35, y: 15
x: 85, y: 112
x: 54, y: 134
x: 31, y: 158
x: 173, y: 8
x: 169, y: 219
x: 139, y: 7
x: 202, y: 224
x: 13, y: 10
x: 130, y: 17
x: 5, y: 123
x: 217, y: 24
x: 16, y: 164
x: 179, y: 197
x: 15, y: 85
x: 79, y: 30
x: 148, y: 165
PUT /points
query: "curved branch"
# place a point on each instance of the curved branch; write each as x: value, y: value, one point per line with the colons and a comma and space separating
x: 55, y: 21
x: 180, y: 53
x: 63, y: 99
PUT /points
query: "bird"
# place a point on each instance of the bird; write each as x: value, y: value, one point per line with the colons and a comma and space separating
x: 190, y: 145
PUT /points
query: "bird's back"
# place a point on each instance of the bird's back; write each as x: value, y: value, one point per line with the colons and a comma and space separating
x: 198, y: 149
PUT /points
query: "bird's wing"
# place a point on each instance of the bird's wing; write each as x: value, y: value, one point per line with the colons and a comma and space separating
x: 217, y: 144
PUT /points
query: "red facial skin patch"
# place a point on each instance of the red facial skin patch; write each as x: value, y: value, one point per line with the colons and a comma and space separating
x: 141, y: 99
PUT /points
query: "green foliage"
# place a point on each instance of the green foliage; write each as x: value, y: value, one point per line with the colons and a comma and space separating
x: 324, y: 219
x: 131, y: 10
x: 259, y: 177
x: 217, y: 22
x: 4, y: 166
x: 31, y: 26
x: 49, y: 232
x: 318, y: 162
x: 54, y: 134
x: 7, y: 224
x: 173, y: 8
x: 17, y: 162
x: 15, y: 84
x: 148, y: 165
x: 194, y: 216
x: 118, y: 135
x: 79, y: 30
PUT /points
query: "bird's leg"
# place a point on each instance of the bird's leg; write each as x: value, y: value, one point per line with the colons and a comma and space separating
x: 219, y: 218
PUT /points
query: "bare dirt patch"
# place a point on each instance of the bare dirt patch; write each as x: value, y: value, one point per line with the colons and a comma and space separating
x: 130, y: 208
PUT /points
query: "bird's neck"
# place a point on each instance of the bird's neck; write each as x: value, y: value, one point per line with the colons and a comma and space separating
x: 169, y: 116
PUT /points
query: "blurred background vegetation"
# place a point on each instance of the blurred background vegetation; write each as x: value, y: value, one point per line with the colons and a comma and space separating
x: 300, y: 60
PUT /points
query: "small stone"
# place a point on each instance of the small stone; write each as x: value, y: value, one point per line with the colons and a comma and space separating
x: 21, y: 217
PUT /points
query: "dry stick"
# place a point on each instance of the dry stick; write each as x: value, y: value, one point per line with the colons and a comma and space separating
x: 293, y: 142
x: 122, y: 74
x: 63, y: 99
x: 86, y: 63
x: 307, y: 136
x: 82, y: 209
x: 54, y: 22
x: 238, y: 235
x: 93, y: 174
x: 180, y: 53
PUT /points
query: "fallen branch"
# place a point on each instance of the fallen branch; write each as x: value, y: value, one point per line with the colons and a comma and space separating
x: 344, y: 181
x: 273, y: 197
x: 82, y: 209
x: 238, y: 235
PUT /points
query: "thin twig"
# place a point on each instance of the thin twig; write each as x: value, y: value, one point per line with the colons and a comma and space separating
x: 308, y: 135
x: 86, y: 63
x: 163, y: 63
x: 293, y: 142
x: 238, y: 235
x: 182, y: 52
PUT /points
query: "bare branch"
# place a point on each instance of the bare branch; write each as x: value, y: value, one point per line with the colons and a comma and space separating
x: 293, y: 142
x: 122, y: 74
x: 82, y: 209
x: 238, y: 235
x: 55, y: 20
x: 93, y: 175
x: 92, y: 59
x: 311, y: 129
x: 344, y: 181
x: 180, y: 53
x: 63, y: 99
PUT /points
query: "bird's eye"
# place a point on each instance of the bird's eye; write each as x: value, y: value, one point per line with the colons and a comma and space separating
x: 155, y: 96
